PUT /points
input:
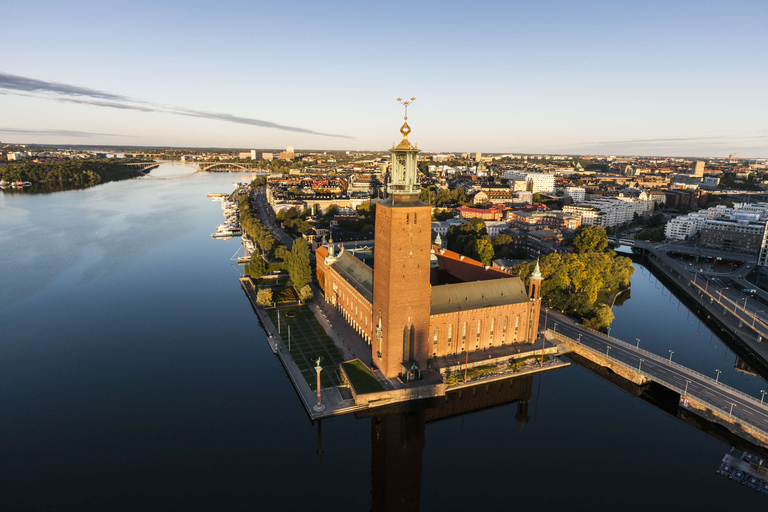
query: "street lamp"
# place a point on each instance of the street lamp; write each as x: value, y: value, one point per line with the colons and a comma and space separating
x: 761, y: 398
x: 640, y: 365
x: 555, y: 326
x: 670, y: 355
x: 607, y: 349
x: 579, y: 337
x: 718, y: 376
x: 685, y: 393
x: 638, y: 343
x: 731, y: 411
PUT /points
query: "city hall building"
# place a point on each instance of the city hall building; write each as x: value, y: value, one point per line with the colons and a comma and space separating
x: 420, y: 301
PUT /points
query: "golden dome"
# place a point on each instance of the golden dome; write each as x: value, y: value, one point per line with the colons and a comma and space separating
x: 405, y: 130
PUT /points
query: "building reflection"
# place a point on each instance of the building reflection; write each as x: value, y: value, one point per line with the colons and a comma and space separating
x: 398, y: 437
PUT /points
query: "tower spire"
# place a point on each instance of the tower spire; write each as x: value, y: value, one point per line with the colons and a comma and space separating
x: 404, y: 179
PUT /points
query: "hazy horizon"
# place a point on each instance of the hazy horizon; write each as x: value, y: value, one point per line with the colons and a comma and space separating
x: 675, y: 79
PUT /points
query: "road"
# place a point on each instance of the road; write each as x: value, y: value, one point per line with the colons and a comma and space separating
x: 725, y: 287
x: 267, y: 217
x: 666, y: 372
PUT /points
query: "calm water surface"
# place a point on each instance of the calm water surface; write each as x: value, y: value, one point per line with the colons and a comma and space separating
x: 134, y: 375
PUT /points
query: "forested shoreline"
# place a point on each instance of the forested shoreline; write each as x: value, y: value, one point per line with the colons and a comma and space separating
x: 70, y: 174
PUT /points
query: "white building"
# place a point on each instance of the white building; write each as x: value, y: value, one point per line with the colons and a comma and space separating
x: 494, y: 227
x: 681, y: 228
x: 686, y: 226
x: 542, y: 182
x: 606, y: 211
x: 579, y: 194
x: 441, y: 227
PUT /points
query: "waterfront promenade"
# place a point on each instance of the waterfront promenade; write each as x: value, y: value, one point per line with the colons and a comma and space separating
x: 742, y: 414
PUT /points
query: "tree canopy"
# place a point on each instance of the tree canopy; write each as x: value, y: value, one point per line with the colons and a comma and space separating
x: 471, y: 239
x: 590, y: 239
x: 572, y: 281
x: 298, y: 264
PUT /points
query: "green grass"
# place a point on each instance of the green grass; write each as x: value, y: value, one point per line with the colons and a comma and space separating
x: 472, y: 373
x: 518, y: 364
x: 309, y: 340
x: 361, y: 377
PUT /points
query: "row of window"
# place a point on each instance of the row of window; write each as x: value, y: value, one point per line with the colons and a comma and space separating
x: 477, y: 334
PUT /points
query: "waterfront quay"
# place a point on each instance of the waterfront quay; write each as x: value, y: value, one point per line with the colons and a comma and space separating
x: 339, y: 397
x: 743, y: 415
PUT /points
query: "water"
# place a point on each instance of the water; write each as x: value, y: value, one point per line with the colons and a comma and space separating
x: 134, y: 375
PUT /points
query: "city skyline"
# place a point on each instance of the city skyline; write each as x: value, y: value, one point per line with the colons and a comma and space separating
x: 593, y: 78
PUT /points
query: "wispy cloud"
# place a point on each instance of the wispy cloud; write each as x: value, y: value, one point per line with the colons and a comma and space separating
x: 712, y: 142
x: 24, y: 86
x: 21, y: 83
x: 654, y: 141
x: 62, y: 133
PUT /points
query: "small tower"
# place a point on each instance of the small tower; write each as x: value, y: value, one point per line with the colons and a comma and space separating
x: 534, y: 294
x: 534, y: 285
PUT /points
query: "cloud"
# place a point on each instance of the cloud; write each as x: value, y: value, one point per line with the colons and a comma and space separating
x: 652, y: 141
x: 66, y: 93
x: 714, y: 142
x: 62, y: 133
x: 21, y: 83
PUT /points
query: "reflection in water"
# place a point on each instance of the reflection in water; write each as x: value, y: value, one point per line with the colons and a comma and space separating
x: 397, y: 438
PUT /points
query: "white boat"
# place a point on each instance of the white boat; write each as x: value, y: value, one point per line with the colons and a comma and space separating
x: 5, y: 184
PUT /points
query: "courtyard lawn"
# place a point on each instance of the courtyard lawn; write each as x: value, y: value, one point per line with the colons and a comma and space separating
x: 361, y: 377
x: 308, y: 340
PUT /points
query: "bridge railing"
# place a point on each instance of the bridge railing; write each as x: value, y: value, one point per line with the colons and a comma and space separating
x: 666, y: 361
x: 680, y: 391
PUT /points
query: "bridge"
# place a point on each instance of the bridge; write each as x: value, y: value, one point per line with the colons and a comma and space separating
x: 199, y: 166
x: 682, y: 249
x: 740, y: 413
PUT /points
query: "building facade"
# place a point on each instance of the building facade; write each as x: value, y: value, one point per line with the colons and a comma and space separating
x: 420, y: 301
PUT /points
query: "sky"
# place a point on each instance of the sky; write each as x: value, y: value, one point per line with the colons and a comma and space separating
x: 668, y: 78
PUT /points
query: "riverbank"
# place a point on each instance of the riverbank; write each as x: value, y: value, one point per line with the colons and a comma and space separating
x: 67, y: 175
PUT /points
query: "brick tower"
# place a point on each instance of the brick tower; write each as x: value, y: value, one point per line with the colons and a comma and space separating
x: 401, y: 290
x: 534, y: 294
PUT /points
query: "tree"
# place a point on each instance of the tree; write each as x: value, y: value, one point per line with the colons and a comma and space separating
x: 601, y: 319
x: 298, y: 264
x: 264, y: 298
x: 255, y: 267
x: 332, y: 210
x: 305, y: 294
x: 282, y: 252
x: 590, y: 239
x: 481, y: 249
